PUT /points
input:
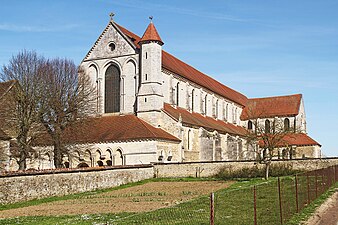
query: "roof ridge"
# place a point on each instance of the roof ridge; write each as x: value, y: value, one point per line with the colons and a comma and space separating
x: 277, y: 96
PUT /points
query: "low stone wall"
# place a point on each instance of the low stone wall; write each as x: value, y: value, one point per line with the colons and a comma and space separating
x: 15, y: 187
x: 26, y: 187
x: 207, y: 169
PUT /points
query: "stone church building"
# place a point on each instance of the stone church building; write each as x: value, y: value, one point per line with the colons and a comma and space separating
x: 153, y: 107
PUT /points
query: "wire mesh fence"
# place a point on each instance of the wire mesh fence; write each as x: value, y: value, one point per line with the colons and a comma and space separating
x: 276, y: 201
x: 270, y: 202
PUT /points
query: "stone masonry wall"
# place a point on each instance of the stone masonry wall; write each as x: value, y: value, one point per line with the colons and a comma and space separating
x: 207, y: 169
x: 22, y: 188
x: 58, y: 183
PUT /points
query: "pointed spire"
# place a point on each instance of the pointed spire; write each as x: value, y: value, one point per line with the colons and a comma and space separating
x: 151, y: 33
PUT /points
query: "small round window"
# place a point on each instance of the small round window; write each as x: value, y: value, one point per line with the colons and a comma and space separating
x: 112, y: 46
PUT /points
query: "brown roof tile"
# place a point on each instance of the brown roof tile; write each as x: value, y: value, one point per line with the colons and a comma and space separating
x: 299, y: 139
x: 5, y: 87
x: 3, y: 135
x: 271, y: 107
x: 151, y: 34
x: 178, y: 67
x: 196, y: 119
x: 111, y: 129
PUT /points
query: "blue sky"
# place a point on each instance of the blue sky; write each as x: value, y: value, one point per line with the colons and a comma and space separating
x: 260, y: 48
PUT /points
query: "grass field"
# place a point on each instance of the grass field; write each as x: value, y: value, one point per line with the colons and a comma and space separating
x: 233, y: 205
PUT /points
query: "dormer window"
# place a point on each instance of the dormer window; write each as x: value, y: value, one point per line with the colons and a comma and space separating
x: 112, y: 47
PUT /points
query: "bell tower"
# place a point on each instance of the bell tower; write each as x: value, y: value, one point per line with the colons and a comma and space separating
x: 150, y: 97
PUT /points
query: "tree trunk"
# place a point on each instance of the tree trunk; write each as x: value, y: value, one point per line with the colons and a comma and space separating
x: 267, y: 167
x: 57, y: 151
x: 22, y: 161
x: 22, y: 143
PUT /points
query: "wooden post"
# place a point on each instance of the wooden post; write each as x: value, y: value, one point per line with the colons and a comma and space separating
x: 212, y: 209
x: 280, y: 202
x: 296, y: 186
x: 255, y: 206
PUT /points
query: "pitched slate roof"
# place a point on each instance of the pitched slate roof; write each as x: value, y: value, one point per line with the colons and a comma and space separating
x: 176, y: 66
x: 196, y: 119
x: 151, y: 34
x: 272, y: 106
x: 111, y: 129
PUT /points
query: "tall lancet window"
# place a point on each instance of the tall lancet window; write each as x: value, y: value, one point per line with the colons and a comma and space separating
x: 192, y: 99
x: 112, y: 90
x: 177, y: 93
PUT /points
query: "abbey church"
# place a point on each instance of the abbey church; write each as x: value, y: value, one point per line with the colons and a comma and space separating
x: 152, y: 107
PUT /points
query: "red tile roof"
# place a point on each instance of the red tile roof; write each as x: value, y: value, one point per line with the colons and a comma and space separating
x: 196, y: 119
x: 271, y: 107
x: 4, y: 136
x: 178, y: 67
x: 299, y: 139
x: 151, y: 34
x: 111, y: 129
x: 5, y: 87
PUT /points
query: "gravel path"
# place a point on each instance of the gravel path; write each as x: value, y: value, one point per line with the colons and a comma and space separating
x: 327, y: 213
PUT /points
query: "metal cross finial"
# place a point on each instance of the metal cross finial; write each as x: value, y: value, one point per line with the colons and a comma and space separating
x: 151, y: 18
x: 111, y: 15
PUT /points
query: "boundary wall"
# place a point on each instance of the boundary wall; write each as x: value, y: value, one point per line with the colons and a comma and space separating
x: 28, y: 185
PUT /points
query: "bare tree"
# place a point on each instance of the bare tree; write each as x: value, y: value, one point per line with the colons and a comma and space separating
x: 68, y: 97
x: 18, y: 111
x: 265, y: 137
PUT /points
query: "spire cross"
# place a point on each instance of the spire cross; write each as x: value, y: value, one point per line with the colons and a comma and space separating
x: 111, y: 15
x: 151, y: 18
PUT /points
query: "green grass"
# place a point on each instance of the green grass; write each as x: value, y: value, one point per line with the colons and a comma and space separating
x: 92, y: 193
x: 192, y: 212
x: 311, y: 208
x: 233, y: 205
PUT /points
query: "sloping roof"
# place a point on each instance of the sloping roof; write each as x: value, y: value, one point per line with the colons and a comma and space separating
x: 3, y: 135
x: 299, y: 139
x: 5, y: 87
x: 111, y: 129
x: 151, y: 34
x: 188, y: 72
x: 272, y: 106
x: 196, y: 119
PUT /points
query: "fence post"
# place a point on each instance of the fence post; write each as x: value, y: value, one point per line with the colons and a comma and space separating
x: 296, y: 185
x: 212, y: 209
x: 255, y: 205
x: 280, y: 202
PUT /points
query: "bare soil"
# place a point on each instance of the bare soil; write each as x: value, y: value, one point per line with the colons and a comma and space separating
x: 327, y: 213
x: 146, y: 197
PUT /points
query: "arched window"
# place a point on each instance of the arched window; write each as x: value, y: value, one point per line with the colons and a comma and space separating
x: 192, y: 99
x: 205, y: 104
x: 286, y: 124
x: 267, y: 126
x: 189, y: 140
x: 216, y: 109
x: 112, y: 90
x: 119, y: 157
x: 227, y: 112
x: 177, y: 93
x: 249, y: 125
